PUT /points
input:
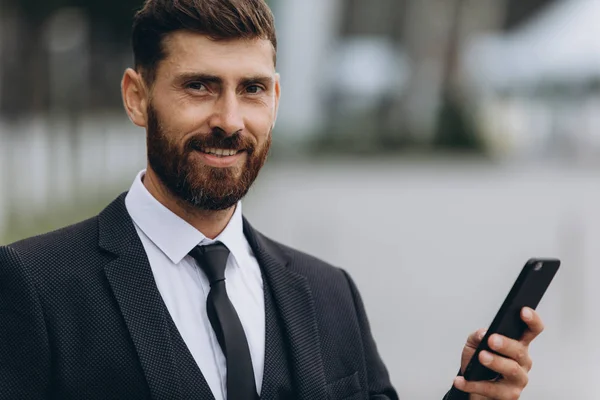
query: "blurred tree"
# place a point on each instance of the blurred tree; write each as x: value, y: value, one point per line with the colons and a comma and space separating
x: 453, y: 128
x: 519, y: 11
x: 46, y: 70
x: 434, y: 109
x: 37, y: 10
x: 25, y: 80
x: 381, y: 21
x: 114, y: 14
x: 425, y: 38
x: 24, y: 72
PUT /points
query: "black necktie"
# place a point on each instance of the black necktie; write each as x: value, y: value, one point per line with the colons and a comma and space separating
x: 226, y: 323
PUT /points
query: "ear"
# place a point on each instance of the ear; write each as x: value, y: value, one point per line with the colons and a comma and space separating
x: 277, y: 96
x: 135, y: 97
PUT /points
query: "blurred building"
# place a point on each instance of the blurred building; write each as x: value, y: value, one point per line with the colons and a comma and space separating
x: 382, y: 70
x: 537, y: 88
x: 374, y: 76
x: 377, y: 75
x: 348, y: 66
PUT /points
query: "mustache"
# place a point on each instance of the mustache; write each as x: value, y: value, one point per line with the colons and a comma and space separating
x: 221, y: 140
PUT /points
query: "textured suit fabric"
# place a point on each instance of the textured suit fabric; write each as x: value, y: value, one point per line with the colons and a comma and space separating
x: 277, y: 378
x: 82, y: 319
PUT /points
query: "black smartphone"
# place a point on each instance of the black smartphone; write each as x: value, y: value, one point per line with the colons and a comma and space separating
x: 528, y: 290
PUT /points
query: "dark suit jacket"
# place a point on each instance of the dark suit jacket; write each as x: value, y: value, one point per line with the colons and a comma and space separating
x: 81, y: 318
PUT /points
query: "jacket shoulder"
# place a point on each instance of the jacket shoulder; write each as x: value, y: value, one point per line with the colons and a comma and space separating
x: 305, y: 262
x: 316, y: 270
x: 61, y: 241
x: 49, y: 256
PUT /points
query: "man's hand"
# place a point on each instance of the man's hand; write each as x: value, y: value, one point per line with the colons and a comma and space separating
x: 514, y: 366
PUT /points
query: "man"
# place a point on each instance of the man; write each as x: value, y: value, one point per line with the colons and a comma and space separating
x: 169, y: 293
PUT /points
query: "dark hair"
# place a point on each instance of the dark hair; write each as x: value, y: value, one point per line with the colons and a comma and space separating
x: 217, y: 19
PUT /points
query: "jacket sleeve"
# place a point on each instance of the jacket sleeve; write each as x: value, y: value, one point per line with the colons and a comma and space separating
x: 380, y: 387
x: 24, y: 349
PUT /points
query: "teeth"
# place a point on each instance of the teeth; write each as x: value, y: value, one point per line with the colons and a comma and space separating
x: 220, y: 152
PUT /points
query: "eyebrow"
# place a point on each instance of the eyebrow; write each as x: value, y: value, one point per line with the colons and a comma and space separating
x: 217, y: 80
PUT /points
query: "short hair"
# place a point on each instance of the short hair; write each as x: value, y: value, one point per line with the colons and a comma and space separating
x: 217, y: 19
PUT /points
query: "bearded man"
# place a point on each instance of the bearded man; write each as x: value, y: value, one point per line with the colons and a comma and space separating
x: 170, y: 293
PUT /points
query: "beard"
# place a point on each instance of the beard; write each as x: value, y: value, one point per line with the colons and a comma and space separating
x: 202, y: 186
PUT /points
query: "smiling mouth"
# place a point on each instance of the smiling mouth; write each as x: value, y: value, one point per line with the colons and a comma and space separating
x: 220, y: 152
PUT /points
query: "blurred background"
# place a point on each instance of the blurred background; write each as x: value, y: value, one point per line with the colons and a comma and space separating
x: 429, y: 147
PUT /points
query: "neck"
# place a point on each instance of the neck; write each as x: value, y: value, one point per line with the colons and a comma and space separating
x: 209, y: 223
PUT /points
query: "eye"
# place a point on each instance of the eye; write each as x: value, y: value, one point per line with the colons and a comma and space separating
x: 198, y: 86
x: 254, y: 89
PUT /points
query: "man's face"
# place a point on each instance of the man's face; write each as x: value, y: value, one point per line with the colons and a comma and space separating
x: 212, y: 109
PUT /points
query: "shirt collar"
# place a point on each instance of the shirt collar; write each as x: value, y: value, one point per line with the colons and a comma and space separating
x: 173, y: 235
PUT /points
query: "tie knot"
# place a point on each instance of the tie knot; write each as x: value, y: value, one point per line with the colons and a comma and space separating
x: 212, y: 259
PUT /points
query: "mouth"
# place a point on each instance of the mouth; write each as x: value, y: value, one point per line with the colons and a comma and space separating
x: 219, y: 152
x: 220, y: 158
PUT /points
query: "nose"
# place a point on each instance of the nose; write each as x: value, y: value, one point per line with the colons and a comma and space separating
x: 227, y: 115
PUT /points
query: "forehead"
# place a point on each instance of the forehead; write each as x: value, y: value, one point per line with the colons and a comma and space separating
x: 192, y: 52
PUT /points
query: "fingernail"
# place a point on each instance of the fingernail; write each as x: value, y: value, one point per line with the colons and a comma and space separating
x: 496, y: 342
x: 459, y: 382
x: 527, y: 314
x: 486, y: 358
x: 482, y: 334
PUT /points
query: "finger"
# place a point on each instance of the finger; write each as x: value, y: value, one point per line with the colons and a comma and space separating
x: 475, y: 338
x: 534, y: 324
x: 510, y: 370
x: 491, y: 390
x: 512, y: 349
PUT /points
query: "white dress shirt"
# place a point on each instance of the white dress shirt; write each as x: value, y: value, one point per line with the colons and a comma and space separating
x: 184, y: 288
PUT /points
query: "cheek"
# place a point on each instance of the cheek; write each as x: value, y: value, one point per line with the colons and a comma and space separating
x: 181, y: 120
x: 182, y: 113
x: 260, y: 124
x: 191, y: 118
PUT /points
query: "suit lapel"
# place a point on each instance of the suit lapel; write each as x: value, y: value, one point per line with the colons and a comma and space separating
x: 295, y: 304
x: 132, y: 282
x: 277, y: 378
x: 139, y: 302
